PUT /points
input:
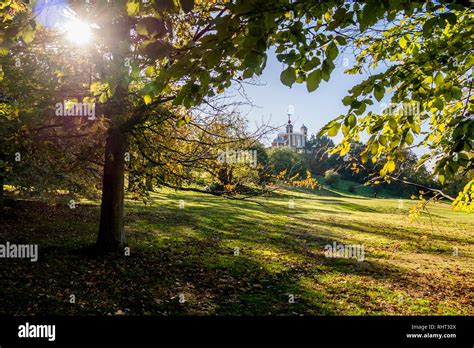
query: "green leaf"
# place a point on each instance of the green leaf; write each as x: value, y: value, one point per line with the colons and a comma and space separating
x: 389, y: 166
x: 158, y: 50
x: 439, y: 79
x: 409, y: 138
x: 288, y: 76
x: 416, y: 128
x: 347, y: 100
x: 345, y: 130
x: 379, y: 92
x: 361, y: 109
x: 147, y: 99
x: 326, y: 70
x: 149, y: 71
x: 133, y: 7
x: 392, y: 122
x: 438, y: 103
x: 364, y: 157
x: 28, y: 34
x: 341, y: 40
x: 332, y: 51
x: 334, y: 129
x: 151, y: 25
x: 187, y: 5
x: 428, y: 26
x: 402, y: 42
x: 181, y: 122
x: 252, y: 60
x: 141, y: 29
x: 212, y: 58
x: 441, y: 179
x: 457, y: 94
x: 450, y: 17
x: 103, y: 98
x: 313, y: 80
x: 352, y: 120
x: 165, y: 5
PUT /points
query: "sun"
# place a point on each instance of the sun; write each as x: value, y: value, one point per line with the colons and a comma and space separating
x: 78, y: 32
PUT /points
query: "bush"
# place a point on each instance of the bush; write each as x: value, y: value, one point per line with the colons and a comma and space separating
x: 352, y: 189
x: 331, y: 177
x: 281, y: 159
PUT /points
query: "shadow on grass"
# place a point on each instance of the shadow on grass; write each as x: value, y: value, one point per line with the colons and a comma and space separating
x: 176, y: 256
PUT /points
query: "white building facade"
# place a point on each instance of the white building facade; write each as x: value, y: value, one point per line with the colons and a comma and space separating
x: 291, y: 139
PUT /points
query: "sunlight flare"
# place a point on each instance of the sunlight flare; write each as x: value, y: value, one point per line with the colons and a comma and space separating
x: 78, y: 32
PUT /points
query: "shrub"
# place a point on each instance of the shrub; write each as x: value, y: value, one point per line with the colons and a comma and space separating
x: 331, y: 177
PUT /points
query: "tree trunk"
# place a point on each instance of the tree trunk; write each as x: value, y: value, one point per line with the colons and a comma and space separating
x: 111, y: 231
x: 2, y: 183
x: 149, y: 178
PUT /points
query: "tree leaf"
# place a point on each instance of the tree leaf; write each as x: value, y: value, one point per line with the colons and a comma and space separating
x: 428, y: 26
x: 288, y: 76
x: 149, y: 71
x: 364, y: 157
x: 187, y: 5
x: 379, y: 92
x: 325, y: 70
x: 390, y: 166
x: 133, y: 7
x: 334, y: 129
x: 352, y: 120
x: 402, y: 42
x: 180, y: 122
x: 439, y: 79
x: 332, y: 51
x: 147, y: 99
x: 347, y: 100
x: 313, y: 80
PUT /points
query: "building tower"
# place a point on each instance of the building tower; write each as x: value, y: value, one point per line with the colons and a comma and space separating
x: 291, y: 139
x: 304, y: 130
x: 289, y: 131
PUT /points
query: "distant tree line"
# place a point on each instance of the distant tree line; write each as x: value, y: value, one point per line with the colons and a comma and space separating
x: 410, y: 177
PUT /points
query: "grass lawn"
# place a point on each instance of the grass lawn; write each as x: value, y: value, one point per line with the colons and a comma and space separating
x: 409, y: 267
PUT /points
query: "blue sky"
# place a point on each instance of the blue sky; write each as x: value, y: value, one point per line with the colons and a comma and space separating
x: 314, y: 109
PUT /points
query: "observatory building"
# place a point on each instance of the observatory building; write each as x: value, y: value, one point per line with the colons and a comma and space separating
x: 291, y: 139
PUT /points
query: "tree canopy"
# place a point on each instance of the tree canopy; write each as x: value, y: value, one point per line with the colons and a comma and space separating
x: 156, y: 58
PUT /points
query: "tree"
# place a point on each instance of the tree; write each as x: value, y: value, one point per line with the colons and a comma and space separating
x: 318, y: 155
x: 331, y: 177
x: 41, y: 151
x: 288, y: 162
x: 167, y: 53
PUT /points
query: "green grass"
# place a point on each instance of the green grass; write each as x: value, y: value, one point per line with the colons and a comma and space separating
x: 342, y: 188
x: 409, y: 267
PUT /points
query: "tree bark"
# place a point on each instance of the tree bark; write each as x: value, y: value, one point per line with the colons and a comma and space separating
x: 111, y: 229
x: 2, y: 183
x: 149, y: 178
